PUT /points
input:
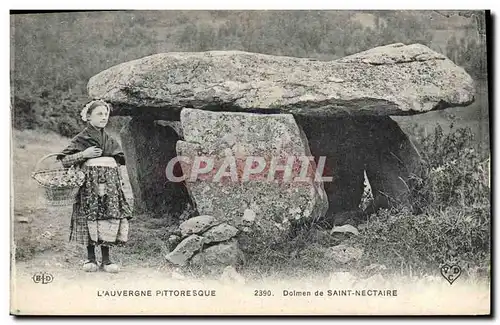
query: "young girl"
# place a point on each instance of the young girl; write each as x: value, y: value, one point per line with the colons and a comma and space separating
x: 100, y: 214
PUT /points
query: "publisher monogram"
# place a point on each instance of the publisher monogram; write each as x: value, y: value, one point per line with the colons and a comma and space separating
x: 42, y: 277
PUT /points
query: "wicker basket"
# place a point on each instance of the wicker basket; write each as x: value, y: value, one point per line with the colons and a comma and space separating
x: 55, y: 195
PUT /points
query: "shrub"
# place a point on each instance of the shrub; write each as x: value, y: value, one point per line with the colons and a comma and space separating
x: 22, y: 114
x: 453, y: 173
x: 452, y: 198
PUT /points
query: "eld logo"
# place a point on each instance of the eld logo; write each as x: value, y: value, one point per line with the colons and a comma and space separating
x: 42, y: 277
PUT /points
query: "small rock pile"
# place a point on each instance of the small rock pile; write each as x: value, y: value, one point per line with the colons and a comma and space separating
x: 206, y: 245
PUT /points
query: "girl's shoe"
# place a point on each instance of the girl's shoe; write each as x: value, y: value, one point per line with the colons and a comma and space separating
x: 90, y: 266
x: 110, y: 268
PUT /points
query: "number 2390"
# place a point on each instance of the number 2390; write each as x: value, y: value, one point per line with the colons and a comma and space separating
x: 262, y: 293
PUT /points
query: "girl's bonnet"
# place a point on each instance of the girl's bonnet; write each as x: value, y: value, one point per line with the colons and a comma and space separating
x: 93, y: 103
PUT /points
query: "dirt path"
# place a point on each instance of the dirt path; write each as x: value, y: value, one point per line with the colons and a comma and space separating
x: 52, y: 263
x: 25, y: 270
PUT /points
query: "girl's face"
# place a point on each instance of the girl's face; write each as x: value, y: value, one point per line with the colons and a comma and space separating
x: 99, y: 116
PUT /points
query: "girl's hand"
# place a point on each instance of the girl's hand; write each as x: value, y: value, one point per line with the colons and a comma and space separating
x: 92, y: 152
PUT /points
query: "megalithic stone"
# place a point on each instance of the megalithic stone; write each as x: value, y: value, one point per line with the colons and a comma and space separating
x: 223, y: 135
x: 148, y: 148
x: 395, y: 79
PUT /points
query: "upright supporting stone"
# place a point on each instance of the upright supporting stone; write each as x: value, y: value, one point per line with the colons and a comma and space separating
x: 148, y: 148
x: 129, y: 146
x: 392, y: 161
x: 354, y: 144
x: 254, y: 141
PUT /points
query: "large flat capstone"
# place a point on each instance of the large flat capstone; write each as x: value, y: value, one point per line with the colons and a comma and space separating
x: 395, y: 79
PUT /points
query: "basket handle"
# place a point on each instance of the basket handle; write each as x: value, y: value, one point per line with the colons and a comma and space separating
x: 45, y: 157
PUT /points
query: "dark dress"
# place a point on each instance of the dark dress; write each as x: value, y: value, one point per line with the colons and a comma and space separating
x: 101, y: 212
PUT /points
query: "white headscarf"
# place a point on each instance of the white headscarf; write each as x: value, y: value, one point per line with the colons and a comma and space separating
x: 85, y: 109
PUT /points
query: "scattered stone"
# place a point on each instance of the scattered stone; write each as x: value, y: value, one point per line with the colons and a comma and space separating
x: 185, y: 250
x: 343, y: 254
x: 23, y: 219
x: 220, y: 233
x: 344, y: 229
x: 215, y: 258
x: 197, y: 225
x: 189, y: 212
x: 173, y: 239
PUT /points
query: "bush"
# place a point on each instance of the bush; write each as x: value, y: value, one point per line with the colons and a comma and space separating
x: 23, y: 116
x: 453, y: 174
x: 452, y: 198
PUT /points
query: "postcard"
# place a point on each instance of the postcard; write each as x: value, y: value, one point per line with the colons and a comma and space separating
x: 211, y: 162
